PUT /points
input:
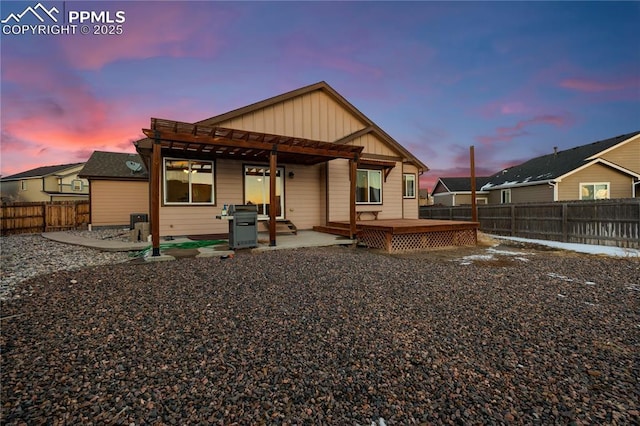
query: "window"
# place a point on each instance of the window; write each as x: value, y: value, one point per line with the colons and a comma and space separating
x: 505, y: 196
x: 408, y: 185
x: 369, y: 187
x: 76, y: 185
x: 257, y: 191
x: 23, y: 185
x: 188, y: 181
x: 594, y: 191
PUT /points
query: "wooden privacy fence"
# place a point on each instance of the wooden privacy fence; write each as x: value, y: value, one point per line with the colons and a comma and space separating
x: 22, y: 218
x: 601, y: 222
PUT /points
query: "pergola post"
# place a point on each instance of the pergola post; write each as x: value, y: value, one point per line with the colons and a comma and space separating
x: 273, y: 166
x: 155, y: 196
x: 353, y: 168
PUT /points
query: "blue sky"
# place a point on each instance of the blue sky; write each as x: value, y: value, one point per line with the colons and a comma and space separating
x: 514, y: 79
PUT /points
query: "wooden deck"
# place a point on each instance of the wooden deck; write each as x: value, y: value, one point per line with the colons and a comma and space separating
x: 400, y: 235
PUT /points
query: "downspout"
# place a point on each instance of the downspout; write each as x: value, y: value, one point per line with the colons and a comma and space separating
x: 554, y: 185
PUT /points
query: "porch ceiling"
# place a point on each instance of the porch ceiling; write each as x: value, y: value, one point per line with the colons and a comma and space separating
x: 200, y: 141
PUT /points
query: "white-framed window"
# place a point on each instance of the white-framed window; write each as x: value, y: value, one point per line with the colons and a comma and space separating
x: 257, y: 191
x: 481, y: 200
x: 23, y: 185
x: 505, y: 196
x: 368, y: 186
x: 76, y: 185
x: 188, y: 181
x: 408, y: 185
x: 594, y: 190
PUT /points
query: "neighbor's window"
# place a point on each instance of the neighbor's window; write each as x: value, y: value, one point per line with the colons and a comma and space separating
x: 505, y: 196
x: 23, y: 185
x: 188, y: 181
x: 408, y: 185
x: 369, y: 187
x: 594, y: 191
x: 76, y: 185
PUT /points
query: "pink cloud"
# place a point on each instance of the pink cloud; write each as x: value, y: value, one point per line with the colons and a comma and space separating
x: 172, y: 33
x: 507, y: 134
x: 304, y: 48
x: 592, y: 85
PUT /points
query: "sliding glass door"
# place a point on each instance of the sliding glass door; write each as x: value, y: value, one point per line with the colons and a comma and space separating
x: 256, y: 189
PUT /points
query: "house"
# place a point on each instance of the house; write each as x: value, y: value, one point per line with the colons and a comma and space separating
x: 47, y: 183
x: 605, y: 169
x: 456, y: 191
x: 119, y: 187
x: 425, y: 199
x: 308, y: 157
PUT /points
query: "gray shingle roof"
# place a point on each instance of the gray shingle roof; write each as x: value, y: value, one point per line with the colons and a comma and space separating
x: 113, y: 165
x: 41, y: 171
x: 551, y: 166
x: 462, y: 184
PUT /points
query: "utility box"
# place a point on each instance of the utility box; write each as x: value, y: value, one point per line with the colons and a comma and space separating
x: 243, y: 226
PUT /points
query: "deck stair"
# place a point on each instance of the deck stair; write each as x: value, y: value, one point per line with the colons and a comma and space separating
x: 335, y: 228
x: 283, y: 226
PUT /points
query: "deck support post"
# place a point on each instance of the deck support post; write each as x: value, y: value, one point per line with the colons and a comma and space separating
x: 353, y: 169
x: 273, y: 166
x: 155, y: 196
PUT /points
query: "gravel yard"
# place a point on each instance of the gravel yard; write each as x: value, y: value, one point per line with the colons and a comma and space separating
x: 335, y: 336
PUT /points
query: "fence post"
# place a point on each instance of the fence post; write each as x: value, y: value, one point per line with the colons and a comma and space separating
x: 565, y: 230
x: 45, y: 214
x: 513, y: 220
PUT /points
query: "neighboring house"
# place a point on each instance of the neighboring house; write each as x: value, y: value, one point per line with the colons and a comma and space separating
x: 48, y: 183
x: 313, y: 139
x: 605, y: 169
x: 425, y: 199
x: 119, y: 187
x: 456, y: 191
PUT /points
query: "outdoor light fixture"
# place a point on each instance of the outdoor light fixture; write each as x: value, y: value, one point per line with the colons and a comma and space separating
x: 291, y: 175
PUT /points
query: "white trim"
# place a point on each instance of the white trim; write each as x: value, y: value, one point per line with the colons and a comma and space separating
x: 602, y: 161
x: 611, y: 148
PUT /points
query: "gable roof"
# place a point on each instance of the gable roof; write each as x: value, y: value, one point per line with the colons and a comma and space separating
x: 552, y: 166
x: 41, y: 171
x: 461, y: 184
x: 113, y: 165
x: 370, y: 126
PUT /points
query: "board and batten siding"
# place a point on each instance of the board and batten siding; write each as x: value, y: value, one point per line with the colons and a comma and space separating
x: 620, y: 185
x: 314, y: 116
x: 113, y: 202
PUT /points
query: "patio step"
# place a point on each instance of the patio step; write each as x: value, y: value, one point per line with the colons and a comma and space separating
x: 283, y: 226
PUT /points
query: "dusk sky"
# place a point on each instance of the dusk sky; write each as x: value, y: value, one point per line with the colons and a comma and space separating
x: 514, y: 79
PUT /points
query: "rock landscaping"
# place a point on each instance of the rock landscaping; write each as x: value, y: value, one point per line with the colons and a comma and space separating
x: 335, y: 335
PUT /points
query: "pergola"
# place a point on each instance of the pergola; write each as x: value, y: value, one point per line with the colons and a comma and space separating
x: 200, y: 141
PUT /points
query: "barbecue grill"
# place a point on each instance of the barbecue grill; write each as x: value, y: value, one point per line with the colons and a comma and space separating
x: 243, y: 226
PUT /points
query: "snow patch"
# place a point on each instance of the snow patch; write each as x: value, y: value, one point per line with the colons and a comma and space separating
x: 580, y: 248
